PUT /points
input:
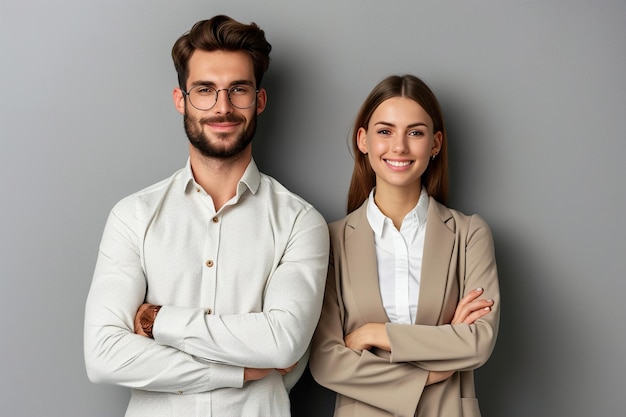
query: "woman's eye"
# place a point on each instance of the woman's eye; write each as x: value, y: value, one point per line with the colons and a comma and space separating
x: 416, y: 133
x: 384, y: 132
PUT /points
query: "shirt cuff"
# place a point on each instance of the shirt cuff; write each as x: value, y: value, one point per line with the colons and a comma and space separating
x: 172, y: 324
x: 170, y: 329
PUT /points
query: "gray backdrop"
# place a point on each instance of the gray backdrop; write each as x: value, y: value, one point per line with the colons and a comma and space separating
x: 534, y: 95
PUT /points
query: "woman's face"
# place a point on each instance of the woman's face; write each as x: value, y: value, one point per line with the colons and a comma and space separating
x: 399, y: 142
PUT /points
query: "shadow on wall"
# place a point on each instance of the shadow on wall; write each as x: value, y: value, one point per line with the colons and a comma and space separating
x: 495, y: 381
x: 273, y: 138
x: 510, y: 376
x: 268, y: 136
x: 289, y: 145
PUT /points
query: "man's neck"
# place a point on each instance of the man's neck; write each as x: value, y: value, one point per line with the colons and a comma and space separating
x: 219, y: 177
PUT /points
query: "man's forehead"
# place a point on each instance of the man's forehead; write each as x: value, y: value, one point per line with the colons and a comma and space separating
x: 236, y: 64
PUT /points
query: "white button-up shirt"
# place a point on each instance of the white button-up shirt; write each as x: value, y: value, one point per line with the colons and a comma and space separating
x: 240, y: 287
x: 399, y: 257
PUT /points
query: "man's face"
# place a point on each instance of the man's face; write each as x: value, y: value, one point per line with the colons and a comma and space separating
x: 223, y: 131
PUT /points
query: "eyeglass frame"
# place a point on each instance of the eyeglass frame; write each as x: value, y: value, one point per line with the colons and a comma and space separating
x: 217, y: 93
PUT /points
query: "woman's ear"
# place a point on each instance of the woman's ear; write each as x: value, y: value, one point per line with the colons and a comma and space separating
x: 437, y: 142
x: 361, y: 140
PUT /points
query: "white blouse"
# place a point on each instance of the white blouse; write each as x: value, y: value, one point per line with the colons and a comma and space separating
x: 399, y: 258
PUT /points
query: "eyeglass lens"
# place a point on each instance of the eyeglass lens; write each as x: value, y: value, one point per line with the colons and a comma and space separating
x: 205, y: 97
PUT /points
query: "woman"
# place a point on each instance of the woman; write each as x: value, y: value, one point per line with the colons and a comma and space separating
x: 412, y: 298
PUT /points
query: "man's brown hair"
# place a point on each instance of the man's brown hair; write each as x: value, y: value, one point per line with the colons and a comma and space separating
x: 222, y: 33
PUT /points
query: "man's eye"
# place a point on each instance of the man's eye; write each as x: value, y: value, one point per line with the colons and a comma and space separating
x: 205, y: 91
x: 239, y: 89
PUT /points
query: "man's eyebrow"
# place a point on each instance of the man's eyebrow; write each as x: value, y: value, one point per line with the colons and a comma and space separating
x: 242, y: 82
x: 206, y: 83
x: 202, y: 83
x: 212, y: 84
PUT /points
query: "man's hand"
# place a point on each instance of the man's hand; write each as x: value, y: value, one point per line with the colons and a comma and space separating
x: 285, y: 371
x: 253, y: 374
x: 144, y: 319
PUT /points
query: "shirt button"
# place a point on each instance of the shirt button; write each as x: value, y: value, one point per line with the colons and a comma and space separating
x: 209, y: 311
x: 209, y: 263
x: 180, y: 393
x: 215, y: 219
x: 197, y: 189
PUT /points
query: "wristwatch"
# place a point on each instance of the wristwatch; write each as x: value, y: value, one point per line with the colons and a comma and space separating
x: 147, y: 319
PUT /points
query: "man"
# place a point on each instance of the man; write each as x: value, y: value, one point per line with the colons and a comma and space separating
x: 209, y: 284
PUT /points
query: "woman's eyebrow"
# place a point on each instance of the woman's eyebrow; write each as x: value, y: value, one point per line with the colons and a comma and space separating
x: 382, y: 122
x: 416, y: 124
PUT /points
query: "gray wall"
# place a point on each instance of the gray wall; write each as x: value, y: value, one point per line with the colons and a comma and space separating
x: 534, y: 94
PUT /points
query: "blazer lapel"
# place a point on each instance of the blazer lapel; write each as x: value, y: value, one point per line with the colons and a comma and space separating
x: 362, y: 267
x: 438, y: 247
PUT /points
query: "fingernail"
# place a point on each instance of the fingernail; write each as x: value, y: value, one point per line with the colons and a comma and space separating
x: 479, y: 289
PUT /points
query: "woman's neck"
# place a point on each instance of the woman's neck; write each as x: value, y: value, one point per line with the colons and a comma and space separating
x: 396, y: 202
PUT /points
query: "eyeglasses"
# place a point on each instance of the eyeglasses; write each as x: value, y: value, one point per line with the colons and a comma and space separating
x: 204, y: 97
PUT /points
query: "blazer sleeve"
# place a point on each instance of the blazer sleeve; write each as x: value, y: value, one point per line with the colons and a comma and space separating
x: 359, y: 375
x: 457, y: 347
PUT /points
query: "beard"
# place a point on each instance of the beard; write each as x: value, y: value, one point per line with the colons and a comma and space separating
x: 223, y: 148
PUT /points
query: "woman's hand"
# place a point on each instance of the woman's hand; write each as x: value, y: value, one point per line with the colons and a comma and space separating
x: 470, y: 308
x: 438, y: 376
x: 367, y: 336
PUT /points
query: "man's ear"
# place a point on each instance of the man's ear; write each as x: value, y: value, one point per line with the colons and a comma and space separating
x: 261, y: 100
x: 179, y: 100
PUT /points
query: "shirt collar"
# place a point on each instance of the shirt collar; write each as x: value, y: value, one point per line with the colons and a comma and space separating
x: 377, y: 219
x: 251, y: 178
x: 188, y: 180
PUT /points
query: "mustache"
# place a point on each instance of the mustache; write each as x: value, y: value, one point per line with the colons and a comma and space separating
x: 229, y: 118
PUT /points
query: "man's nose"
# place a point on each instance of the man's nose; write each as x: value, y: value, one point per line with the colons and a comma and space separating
x: 222, y: 102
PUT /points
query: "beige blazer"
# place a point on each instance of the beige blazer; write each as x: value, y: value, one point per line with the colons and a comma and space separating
x: 458, y: 257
